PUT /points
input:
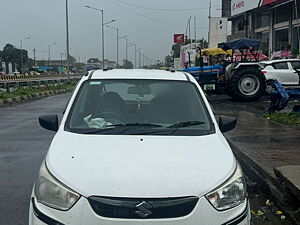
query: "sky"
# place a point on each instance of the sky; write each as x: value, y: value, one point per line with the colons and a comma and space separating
x: 150, y: 24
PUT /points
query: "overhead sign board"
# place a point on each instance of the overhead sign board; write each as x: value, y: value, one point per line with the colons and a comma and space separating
x: 178, y: 38
x: 217, y: 31
x: 240, y: 6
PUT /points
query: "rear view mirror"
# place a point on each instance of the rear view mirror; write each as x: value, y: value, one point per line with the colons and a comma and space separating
x: 49, y: 122
x: 141, y: 90
x: 226, y: 123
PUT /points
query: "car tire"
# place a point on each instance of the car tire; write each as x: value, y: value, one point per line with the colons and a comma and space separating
x: 246, y: 84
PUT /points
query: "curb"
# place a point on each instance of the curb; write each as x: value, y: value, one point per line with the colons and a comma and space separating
x: 266, y: 183
x: 25, y: 98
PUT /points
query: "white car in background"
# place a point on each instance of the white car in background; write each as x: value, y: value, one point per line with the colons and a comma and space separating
x: 139, y: 147
x: 284, y: 71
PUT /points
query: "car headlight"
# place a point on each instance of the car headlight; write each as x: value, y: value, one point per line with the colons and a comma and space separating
x: 231, y: 193
x: 50, y: 192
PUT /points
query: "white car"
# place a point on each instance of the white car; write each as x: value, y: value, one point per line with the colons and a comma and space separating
x: 284, y: 70
x: 139, y: 147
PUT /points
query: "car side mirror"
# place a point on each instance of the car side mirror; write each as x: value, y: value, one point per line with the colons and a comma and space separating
x: 226, y: 123
x: 49, y: 122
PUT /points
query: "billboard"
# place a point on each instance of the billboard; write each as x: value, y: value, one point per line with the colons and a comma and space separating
x: 240, y: 6
x: 178, y: 38
x: 217, y: 31
x: 266, y: 2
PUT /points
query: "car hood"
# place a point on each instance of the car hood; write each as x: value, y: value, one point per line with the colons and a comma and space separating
x: 140, y: 166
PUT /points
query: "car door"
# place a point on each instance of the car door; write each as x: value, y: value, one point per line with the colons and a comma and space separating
x: 294, y: 66
x: 283, y: 73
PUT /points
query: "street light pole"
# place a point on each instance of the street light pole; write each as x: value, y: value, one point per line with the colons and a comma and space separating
x: 139, y: 57
x: 103, y: 24
x: 134, y: 54
x: 122, y: 37
x: 143, y: 60
x: 103, y: 58
x: 22, y: 66
x: 130, y: 44
x: 126, y: 49
x: 49, y: 51
x: 117, y: 29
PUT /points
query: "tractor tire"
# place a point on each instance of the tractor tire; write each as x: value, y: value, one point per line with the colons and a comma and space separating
x: 246, y: 84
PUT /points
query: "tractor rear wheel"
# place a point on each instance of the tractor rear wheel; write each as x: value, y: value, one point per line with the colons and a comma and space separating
x: 246, y: 84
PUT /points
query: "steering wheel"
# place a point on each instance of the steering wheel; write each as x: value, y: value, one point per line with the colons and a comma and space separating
x: 112, y: 117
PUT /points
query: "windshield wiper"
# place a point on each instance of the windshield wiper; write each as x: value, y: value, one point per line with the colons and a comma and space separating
x: 96, y: 131
x: 142, y: 125
x: 134, y: 125
x: 186, y: 124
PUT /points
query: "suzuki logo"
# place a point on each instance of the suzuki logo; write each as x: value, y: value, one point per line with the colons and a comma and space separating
x: 143, y: 209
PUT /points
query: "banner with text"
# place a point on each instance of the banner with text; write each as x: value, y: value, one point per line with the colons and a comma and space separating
x: 240, y: 6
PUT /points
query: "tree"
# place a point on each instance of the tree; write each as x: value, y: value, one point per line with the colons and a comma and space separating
x: 30, y: 63
x: 127, y: 64
x: 168, y: 61
x: 11, y: 54
x: 93, y: 60
x: 72, y: 59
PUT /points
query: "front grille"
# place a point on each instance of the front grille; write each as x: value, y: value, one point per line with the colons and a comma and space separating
x: 137, y: 208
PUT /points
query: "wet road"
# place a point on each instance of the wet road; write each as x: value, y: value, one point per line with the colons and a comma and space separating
x: 23, y: 145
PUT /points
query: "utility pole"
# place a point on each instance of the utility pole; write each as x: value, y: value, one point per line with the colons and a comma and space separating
x: 209, y: 16
x: 195, y: 27
x: 67, y: 41
x: 297, y: 17
x: 34, y: 59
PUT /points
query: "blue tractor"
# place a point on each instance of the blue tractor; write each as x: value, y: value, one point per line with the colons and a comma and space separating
x: 241, y: 78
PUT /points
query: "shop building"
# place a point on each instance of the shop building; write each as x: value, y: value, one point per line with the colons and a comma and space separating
x: 275, y: 23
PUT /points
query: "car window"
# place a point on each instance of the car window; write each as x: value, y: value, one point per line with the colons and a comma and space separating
x: 159, y: 105
x: 281, y: 66
x: 295, y: 64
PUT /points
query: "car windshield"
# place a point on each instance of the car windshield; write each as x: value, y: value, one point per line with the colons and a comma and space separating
x: 156, y: 107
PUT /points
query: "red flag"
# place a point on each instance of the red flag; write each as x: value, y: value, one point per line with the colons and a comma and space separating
x: 178, y: 38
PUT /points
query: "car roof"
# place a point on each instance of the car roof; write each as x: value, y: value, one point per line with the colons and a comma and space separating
x: 139, y: 74
x: 279, y: 60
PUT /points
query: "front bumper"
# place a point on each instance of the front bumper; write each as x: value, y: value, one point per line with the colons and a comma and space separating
x: 82, y: 213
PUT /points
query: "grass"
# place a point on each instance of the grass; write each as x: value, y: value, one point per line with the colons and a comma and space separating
x: 292, y: 118
x: 34, y: 90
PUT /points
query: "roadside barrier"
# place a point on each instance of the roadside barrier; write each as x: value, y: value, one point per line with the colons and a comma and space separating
x: 7, y: 82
